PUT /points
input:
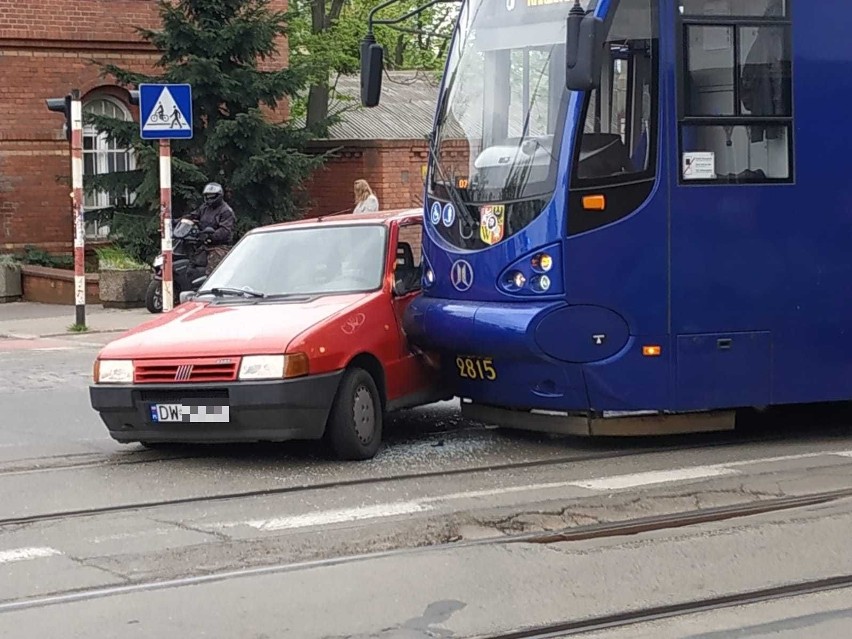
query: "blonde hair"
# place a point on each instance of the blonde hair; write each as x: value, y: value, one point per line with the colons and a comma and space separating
x: 362, y: 191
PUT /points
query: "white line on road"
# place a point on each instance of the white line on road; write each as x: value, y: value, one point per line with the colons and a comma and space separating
x: 600, y: 484
x: 619, y: 482
x: 336, y: 516
x: 21, y: 554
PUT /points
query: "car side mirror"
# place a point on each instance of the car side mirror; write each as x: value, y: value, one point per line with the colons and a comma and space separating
x: 187, y: 296
x: 583, y: 50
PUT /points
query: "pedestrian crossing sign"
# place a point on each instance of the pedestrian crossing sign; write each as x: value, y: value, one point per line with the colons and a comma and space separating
x: 165, y: 111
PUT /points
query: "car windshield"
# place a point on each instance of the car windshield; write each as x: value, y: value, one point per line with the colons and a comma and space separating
x: 305, y: 261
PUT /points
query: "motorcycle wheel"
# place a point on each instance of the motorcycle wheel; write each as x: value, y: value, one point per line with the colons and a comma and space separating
x: 154, y: 297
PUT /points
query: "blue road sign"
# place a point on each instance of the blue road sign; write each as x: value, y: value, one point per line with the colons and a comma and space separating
x: 165, y: 111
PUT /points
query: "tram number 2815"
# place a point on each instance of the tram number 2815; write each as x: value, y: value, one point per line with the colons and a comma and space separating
x: 476, y: 368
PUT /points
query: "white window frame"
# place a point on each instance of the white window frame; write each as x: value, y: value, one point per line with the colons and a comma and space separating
x: 97, y: 154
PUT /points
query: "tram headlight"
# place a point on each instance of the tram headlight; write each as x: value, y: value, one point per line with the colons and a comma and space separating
x: 541, y: 283
x: 429, y: 276
x: 517, y: 279
x: 542, y: 262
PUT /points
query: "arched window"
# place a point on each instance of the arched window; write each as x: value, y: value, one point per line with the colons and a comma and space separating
x: 101, y: 156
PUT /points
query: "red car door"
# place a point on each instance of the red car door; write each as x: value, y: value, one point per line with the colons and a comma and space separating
x: 411, y: 376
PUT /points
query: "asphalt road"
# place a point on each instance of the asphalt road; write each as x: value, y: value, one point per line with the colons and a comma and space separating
x: 108, y: 540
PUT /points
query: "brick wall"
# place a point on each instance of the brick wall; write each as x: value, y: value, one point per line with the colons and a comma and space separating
x: 46, y: 48
x: 394, y: 169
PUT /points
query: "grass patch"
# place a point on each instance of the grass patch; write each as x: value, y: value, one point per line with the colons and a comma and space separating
x: 113, y: 258
x: 78, y: 328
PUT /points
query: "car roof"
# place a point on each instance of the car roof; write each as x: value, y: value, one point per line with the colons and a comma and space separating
x: 348, y: 219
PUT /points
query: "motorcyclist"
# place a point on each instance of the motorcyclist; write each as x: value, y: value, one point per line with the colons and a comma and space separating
x: 215, y: 213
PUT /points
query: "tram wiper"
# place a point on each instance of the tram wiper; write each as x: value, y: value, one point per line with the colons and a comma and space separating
x: 461, y: 207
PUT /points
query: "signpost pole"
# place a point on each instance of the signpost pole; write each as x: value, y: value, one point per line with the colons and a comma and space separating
x: 76, y: 125
x: 166, y: 222
x: 165, y: 114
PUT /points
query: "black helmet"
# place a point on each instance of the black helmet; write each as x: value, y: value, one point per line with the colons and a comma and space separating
x: 213, y: 193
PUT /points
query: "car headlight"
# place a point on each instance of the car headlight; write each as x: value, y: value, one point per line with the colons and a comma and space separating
x: 258, y: 367
x: 113, y: 371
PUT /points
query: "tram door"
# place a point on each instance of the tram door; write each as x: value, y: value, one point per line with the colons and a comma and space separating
x: 732, y: 132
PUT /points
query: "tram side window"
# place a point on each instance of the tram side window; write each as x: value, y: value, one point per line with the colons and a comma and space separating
x: 619, y: 135
x: 736, y: 110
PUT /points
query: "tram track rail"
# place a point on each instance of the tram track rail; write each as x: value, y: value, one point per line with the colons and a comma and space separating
x: 329, y: 485
x: 657, y: 613
x: 609, y: 530
x: 366, y: 481
x: 81, y: 461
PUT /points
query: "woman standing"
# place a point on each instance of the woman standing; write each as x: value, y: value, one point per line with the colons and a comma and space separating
x: 365, y: 200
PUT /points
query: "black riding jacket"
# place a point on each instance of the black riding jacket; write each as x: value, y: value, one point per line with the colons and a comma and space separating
x: 220, y: 217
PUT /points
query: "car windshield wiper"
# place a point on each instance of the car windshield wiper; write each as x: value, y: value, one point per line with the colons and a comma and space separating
x: 222, y: 292
x: 281, y: 296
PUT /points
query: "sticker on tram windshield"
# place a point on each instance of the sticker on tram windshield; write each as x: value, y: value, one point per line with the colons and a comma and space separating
x: 449, y: 214
x: 435, y: 213
x: 491, y: 223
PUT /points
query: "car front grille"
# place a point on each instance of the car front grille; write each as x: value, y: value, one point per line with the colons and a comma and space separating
x: 186, y: 371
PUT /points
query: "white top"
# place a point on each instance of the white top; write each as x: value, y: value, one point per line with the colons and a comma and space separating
x: 369, y: 205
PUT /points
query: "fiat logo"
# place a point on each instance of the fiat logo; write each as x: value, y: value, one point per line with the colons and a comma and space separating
x: 461, y: 275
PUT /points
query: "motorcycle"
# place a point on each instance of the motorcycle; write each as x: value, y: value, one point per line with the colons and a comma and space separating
x: 189, y: 264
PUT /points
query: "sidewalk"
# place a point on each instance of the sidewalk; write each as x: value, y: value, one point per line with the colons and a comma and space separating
x: 30, y: 320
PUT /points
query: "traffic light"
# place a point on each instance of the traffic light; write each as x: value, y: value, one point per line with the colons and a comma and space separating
x: 62, y: 105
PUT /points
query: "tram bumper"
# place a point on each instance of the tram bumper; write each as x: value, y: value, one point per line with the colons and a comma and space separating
x: 494, y: 358
x: 490, y: 353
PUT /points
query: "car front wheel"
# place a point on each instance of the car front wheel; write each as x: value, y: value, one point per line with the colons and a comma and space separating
x: 354, y: 428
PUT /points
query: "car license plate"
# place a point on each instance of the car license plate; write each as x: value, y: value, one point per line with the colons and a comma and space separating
x: 477, y: 368
x: 167, y: 413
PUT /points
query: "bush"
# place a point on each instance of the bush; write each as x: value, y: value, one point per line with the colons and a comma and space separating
x: 39, y: 257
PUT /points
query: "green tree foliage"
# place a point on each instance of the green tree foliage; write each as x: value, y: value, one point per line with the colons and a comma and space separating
x: 329, y: 32
x: 220, y: 47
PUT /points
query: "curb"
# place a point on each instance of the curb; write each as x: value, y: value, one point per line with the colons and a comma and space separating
x: 23, y: 336
x: 17, y: 336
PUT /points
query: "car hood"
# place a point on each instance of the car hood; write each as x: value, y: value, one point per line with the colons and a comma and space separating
x: 204, y: 329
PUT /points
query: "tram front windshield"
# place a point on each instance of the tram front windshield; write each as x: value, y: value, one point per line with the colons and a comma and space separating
x: 503, y: 108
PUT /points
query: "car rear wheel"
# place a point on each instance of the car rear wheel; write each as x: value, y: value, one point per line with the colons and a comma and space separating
x: 354, y: 429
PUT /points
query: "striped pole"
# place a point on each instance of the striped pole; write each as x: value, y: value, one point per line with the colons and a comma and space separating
x: 76, y: 125
x: 166, y: 222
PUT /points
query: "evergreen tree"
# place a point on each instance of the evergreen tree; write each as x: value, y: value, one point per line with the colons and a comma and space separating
x: 219, y: 47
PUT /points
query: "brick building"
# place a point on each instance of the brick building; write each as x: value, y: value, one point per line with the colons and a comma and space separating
x: 385, y: 145
x: 47, y: 48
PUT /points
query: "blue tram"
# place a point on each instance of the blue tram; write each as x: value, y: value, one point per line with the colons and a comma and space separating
x: 637, y: 216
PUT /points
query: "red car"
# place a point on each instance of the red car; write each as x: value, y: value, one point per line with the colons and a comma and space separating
x: 297, y: 334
